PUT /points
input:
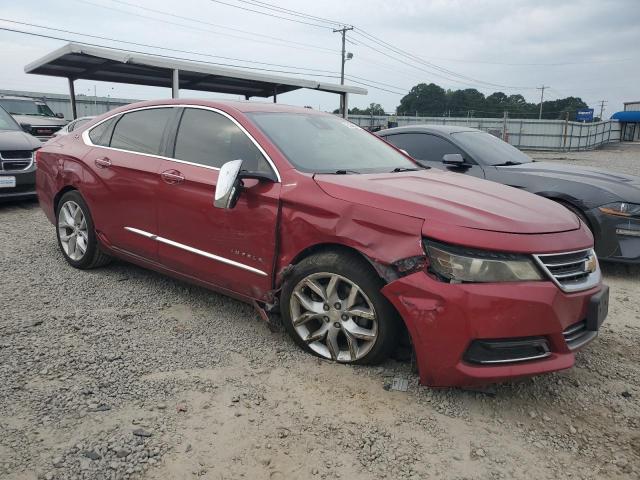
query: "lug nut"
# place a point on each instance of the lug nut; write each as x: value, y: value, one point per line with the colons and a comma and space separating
x: 337, y: 305
x: 337, y: 324
x: 326, y: 319
x: 326, y: 307
x: 345, y: 317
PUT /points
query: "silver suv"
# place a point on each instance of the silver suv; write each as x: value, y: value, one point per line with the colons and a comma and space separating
x: 33, y: 115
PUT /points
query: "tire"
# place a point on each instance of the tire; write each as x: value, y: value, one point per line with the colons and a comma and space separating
x: 316, y: 305
x: 75, y: 229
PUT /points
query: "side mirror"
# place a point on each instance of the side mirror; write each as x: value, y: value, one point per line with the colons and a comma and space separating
x: 228, y: 186
x: 26, y: 127
x: 59, y: 115
x: 453, y: 159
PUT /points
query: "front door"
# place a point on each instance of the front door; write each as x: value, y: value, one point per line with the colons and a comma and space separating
x: 429, y: 150
x: 125, y: 160
x: 233, y: 249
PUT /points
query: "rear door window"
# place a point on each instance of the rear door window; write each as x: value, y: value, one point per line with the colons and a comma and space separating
x: 142, y: 131
x: 211, y: 139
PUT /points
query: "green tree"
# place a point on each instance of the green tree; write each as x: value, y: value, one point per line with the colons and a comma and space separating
x: 425, y: 100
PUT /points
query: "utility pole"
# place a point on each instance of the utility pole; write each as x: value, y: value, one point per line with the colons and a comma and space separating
x: 602, y: 104
x: 344, y: 31
x: 541, y: 98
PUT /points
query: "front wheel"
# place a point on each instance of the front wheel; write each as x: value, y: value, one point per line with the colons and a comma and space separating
x: 333, y: 308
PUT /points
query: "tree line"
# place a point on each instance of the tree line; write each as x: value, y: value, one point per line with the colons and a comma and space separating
x: 431, y: 100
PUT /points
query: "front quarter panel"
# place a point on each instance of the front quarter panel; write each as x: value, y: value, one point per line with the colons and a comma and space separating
x: 310, y: 218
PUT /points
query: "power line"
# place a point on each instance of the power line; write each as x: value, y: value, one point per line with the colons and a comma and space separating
x: 271, y: 14
x: 365, y: 82
x: 216, y: 25
x: 285, y: 43
x: 42, y: 35
x: 99, y: 37
x: 290, y: 12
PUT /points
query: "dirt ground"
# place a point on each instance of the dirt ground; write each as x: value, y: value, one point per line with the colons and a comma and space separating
x: 123, y: 373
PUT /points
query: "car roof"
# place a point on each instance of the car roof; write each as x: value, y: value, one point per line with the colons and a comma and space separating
x: 241, y: 106
x: 426, y: 128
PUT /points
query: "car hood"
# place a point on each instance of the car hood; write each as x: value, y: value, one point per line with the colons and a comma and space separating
x: 40, y: 121
x: 453, y: 199
x: 619, y: 185
x: 17, y: 140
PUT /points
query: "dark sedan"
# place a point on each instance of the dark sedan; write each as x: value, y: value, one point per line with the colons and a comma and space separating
x: 17, y: 168
x: 607, y: 202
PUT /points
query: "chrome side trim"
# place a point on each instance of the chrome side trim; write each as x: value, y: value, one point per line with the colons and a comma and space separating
x: 208, y: 255
x: 520, y: 359
x: 87, y: 141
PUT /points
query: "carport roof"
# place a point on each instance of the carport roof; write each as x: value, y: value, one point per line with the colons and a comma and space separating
x: 79, y: 61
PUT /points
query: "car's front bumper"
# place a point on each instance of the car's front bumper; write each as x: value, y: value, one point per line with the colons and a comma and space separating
x: 25, y: 185
x: 444, y: 320
x: 617, y: 239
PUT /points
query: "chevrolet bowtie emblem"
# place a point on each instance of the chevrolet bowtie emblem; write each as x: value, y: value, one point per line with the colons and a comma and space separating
x: 591, y: 264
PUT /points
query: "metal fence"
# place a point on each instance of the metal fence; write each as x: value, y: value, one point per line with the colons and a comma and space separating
x: 558, y: 135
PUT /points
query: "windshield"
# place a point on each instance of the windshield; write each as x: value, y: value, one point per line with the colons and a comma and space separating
x: 26, y: 107
x: 488, y: 149
x: 327, y: 144
x: 7, y: 122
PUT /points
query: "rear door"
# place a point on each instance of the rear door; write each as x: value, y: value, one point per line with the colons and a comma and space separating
x: 233, y: 249
x: 126, y: 161
x: 429, y: 150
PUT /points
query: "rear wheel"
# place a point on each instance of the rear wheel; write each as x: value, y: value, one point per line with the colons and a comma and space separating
x: 333, y: 308
x: 76, y: 235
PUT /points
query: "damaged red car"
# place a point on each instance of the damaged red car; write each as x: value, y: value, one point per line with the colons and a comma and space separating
x: 354, y: 244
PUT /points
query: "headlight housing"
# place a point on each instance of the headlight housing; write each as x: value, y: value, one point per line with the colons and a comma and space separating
x: 621, y: 209
x: 459, y: 264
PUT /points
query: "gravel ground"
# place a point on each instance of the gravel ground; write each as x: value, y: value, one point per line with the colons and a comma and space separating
x: 123, y: 373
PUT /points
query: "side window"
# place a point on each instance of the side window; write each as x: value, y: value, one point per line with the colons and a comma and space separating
x: 142, y: 131
x: 101, y: 135
x: 211, y: 139
x: 423, y: 146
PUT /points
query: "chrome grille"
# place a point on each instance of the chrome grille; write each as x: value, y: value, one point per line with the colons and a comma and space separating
x: 571, y: 271
x: 577, y: 335
x: 15, y: 160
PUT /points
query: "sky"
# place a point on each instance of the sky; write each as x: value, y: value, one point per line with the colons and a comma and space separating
x: 584, y: 48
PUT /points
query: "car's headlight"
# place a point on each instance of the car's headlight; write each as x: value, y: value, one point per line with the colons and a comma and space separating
x: 621, y: 209
x: 459, y: 264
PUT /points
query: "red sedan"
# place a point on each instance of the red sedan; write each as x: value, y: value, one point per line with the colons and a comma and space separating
x: 304, y: 214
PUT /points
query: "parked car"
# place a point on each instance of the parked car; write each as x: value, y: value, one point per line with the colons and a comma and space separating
x: 34, y: 115
x: 17, y: 169
x: 607, y: 202
x: 72, y: 125
x: 304, y: 213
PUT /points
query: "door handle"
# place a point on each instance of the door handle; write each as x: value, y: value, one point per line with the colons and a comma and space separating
x: 103, y: 162
x: 172, y: 177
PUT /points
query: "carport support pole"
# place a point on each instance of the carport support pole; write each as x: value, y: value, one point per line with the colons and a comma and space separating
x: 175, y: 84
x: 345, y: 105
x: 72, y: 97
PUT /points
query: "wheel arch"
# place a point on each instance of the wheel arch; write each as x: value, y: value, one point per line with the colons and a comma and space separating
x: 384, y: 272
x: 59, y: 195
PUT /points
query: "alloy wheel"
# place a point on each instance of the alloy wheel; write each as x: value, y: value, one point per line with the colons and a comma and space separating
x: 72, y: 230
x: 334, y: 317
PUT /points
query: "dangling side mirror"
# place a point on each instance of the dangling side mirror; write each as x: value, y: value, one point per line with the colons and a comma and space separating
x: 228, y: 186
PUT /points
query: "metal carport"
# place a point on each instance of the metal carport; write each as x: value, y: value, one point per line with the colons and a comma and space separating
x: 77, y: 61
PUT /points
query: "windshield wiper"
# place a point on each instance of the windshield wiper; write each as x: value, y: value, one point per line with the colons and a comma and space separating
x: 507, y: 164
x: 345, y: 172
x: 406, y: 169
